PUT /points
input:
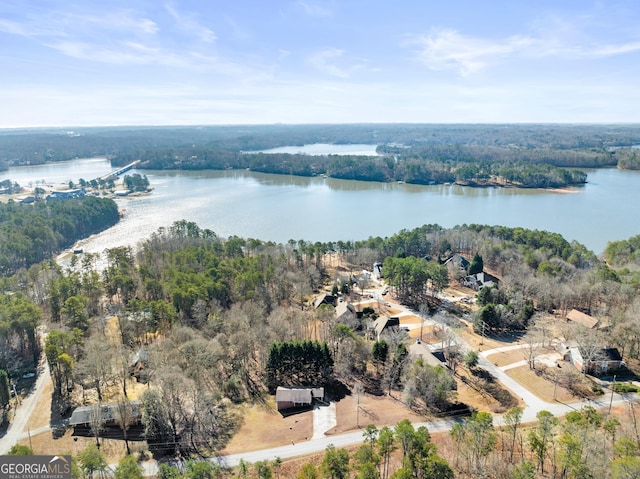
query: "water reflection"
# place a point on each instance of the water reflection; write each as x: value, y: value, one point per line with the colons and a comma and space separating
x: 282, y: 207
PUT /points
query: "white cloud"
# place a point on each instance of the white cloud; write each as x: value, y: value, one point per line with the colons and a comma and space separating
x: 313, y: 9
x: 14, y: 28
x: 119, y: 20
x: 332, y: 61
x: 444, y: 49
x: 610, y: 50
x: 324, y: 61
x: 188, y: 23
x: 69, y: 24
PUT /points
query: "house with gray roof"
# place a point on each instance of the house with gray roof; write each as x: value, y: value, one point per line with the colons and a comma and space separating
x: 294, y: 397
x: 82, y: 415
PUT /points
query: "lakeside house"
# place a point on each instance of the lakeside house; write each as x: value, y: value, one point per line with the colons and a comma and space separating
x: 67, y: 194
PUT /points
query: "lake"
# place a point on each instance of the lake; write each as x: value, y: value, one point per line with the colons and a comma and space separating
x: 317, y: 149
x: 280, y: 207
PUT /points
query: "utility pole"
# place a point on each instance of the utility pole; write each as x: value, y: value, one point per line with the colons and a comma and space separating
x: 29, y: 434
x: 613, y: 387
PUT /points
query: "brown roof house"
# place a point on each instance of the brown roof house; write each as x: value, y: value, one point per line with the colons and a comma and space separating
x: 296, y: 397
x: 583, y: 319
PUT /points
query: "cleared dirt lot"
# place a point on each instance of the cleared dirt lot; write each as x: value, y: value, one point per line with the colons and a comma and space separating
x: 378, y: 410
x: 507, y: 357
x: 264, y: 427
x: 540, y: 386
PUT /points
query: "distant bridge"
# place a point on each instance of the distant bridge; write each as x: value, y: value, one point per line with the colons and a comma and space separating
x: 119, y: 171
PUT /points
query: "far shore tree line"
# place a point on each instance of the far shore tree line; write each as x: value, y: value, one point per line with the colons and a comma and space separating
x: 530, y: 156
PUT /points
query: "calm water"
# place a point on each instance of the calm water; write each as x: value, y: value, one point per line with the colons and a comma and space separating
x: 279, y: 208
x: 327, y: 149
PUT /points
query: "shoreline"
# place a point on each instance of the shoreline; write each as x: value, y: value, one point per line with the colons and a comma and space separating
x: 27, y: 195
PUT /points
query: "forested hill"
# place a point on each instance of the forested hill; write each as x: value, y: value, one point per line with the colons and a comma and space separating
x: 32, y: 233
x: 476, y: 155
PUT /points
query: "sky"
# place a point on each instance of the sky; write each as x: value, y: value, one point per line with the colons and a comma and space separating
x: 195, y: 62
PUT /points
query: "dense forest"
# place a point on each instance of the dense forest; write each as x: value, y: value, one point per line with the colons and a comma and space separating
x: 477, y: 155
x: 31, y: 233
x: 222, y: 318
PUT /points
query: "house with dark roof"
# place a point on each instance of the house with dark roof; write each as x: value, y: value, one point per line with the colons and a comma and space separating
x: 324, y: 299
x: 602, y: 361
x: 377, y: 270
x: 479, y: 280
x: 383, y: 323
x: 457, y: 266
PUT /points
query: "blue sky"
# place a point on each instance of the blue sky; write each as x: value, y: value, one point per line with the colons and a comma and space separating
x: 149, y: 62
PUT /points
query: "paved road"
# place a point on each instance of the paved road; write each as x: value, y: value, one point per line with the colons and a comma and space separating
x: 533, y: 405
x: 313, y: 446
x: 24, y: 411
x: 318, y: 444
